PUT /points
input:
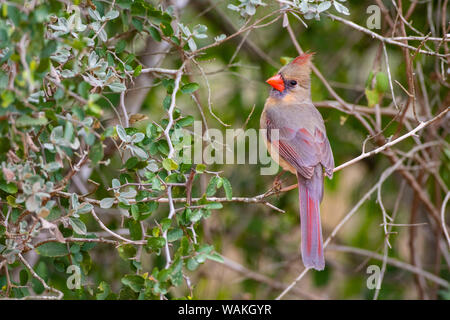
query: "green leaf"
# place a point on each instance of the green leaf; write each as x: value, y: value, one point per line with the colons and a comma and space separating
x: 190, y: 88
x: 23, y: 276
x: 49, y: 48
x: 107, y: 203
x: 96, y: 153
x: 84, y: 208
x: 200, y: 168
x: 323, y: 6
x: 68, y: 131
x: 227, y: 187
x: 89, y: 245
x: 4, y: 78
x: 166, y: 102
x: 115, y: 183
x: 184, y: 246
x: 155, y: 243
x: 120, y: 46
x: 75, y: 248
x: 7, y: 97
x: 135, y: 229
x: 151, y: 130
x: 135, y: 282
x: 8, y: 187
x: 156, y: 184
x: 214, y: 205
x: 149, y: 207
x: 166, y: 28
x: 183, y: 218
x: 195, y: 215
x: 127, y: 251
x: 205, y: 248
x: 14, y: 14
x: 53, y: 249
x: 186, y: 121
x: 121, y: 133
x: 44, y: 66
x: 137, y: 24
x: 176, y: 274
x: 382, y: 82
x: 215, y: 257
x: 155, y: 34
x: 52, y: 166
x: 219, y: 183
x: 41, y: 270
x: 117, y: 86
x: 373, y: 97
x: 127, y: 293
x: 137, y: 71
x: 165, y: 224
x: 27, y: 121
x: 128, y: 193
x: 111, y: 15
x: 192, y: 45
x: 156, y: 232
x: 131, y: 163
x: 157, y: 16
x: 163, y: 147
x: 174, y: 235
x: 11, y: 202
x: 212, y: 186
x: 105, y: 291
x: 135, y: 211
x: 201, y: 258
x: 369, y: 79
x: 285, y: 60
x: 138, y: 151
x: 78, y: 225
x: 192, y: 264
x: 169, y: 164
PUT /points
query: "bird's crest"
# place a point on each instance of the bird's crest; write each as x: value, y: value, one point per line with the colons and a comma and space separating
x: 299, y: 69
x: 303, y: 58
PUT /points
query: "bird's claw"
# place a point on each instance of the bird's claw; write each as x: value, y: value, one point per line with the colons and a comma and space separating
x: 277, y: 184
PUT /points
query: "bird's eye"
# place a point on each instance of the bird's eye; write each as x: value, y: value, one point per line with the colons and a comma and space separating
x: 292, y: 82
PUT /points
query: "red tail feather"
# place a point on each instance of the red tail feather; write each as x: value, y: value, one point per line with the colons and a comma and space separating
x: 310, y: 195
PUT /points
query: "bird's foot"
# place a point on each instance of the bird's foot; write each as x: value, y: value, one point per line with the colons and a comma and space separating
x: 277, y: 183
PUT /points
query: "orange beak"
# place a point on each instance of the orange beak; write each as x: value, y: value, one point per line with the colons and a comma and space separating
x: 276, y: 82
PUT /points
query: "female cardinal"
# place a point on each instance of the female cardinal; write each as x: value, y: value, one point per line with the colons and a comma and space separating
x: 301, y: 147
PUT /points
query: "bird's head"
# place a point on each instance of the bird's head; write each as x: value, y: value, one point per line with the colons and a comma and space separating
x: 293, y: 80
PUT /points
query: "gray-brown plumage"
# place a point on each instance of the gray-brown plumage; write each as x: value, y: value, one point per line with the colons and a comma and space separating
x: 301, y: 147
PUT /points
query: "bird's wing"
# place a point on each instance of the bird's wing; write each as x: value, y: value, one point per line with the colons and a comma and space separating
x: 303, y: 149
x: 324, y: 149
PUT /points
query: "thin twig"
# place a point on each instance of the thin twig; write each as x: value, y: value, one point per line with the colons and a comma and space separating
x: 42, y: 281
x: 444, y: 204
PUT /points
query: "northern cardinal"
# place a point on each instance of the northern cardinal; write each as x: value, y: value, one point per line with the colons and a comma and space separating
x: 302, y: 147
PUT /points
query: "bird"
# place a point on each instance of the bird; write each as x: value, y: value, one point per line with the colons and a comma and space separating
x: 300, y: 145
